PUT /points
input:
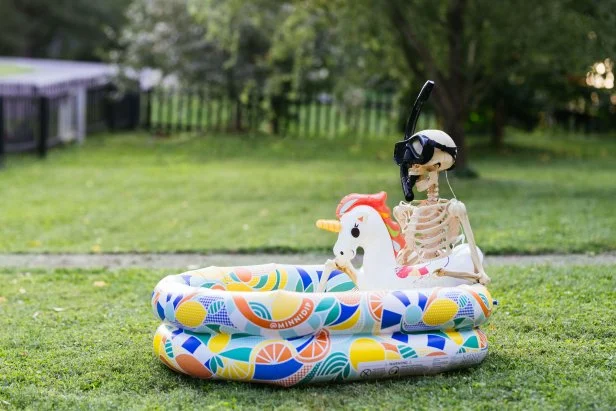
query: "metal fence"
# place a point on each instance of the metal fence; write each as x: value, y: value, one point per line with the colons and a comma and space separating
x: 29, y: 124
x: 41, y: 122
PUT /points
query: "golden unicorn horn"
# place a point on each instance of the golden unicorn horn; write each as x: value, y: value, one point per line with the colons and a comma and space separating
x: 329, y: 225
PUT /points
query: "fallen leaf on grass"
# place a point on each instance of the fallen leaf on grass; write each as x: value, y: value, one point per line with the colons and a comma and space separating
x: 22, y: 290
x: 35, y: 315
x: 96, y: 248
x: 58, y: 309
x: 99, y: 284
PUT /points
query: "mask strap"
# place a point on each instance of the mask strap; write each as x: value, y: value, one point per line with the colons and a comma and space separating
x: 452, y: 151
x: 450, y: 189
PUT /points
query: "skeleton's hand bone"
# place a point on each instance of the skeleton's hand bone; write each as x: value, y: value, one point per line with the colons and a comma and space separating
x: 484, y: 279
x: 346, y: 267
x: 331, y: 265
x: 481, y: 277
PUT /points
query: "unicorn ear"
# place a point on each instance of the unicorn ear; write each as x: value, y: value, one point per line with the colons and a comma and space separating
x: 363, y: 217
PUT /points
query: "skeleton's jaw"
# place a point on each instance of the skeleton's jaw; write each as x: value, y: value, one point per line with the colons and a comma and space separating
x: 427, y: 181
x: 428, y: 177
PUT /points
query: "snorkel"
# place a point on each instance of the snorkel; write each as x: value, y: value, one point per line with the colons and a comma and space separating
x: 400, y: 149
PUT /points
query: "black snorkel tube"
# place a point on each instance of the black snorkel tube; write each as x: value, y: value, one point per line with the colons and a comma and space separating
x: 409, y: 181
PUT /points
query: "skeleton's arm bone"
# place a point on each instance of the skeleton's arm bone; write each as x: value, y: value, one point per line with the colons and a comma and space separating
x: 458, y: 209
x: 328, y: 267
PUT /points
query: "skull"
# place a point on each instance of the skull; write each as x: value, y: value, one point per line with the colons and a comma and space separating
x: 426, y: 175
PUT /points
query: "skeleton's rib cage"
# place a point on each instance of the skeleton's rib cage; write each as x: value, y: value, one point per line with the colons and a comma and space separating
x: 431, y: 230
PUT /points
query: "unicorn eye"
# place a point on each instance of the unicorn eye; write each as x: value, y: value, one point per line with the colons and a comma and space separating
x: 355, y: 231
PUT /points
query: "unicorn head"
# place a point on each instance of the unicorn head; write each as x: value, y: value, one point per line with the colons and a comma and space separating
x: 365, y: 221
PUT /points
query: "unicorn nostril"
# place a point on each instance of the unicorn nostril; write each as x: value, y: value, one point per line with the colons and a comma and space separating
x: 341, y: 252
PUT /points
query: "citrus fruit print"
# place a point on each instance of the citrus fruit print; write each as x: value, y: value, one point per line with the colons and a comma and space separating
x: 257, y: 323
x: 191, y: 366
x: 440, y: 311
x: 218, y: 342
x: 273, y: 353
x: 317, y: 349
x: 375, y: 305
x: 190, y: 314
x: 365, y: 350
x: 285, y: 305
x: 236, y: 370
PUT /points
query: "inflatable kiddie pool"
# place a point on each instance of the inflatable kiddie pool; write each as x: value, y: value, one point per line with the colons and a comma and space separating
x: 266, y: 324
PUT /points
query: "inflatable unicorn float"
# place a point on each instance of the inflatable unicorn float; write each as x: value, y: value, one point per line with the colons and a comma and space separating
x: 413, y: 308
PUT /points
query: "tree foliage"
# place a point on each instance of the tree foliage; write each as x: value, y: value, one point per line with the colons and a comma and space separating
x: 72, y: 29
x: 477, y: 49
x: 515, y: 57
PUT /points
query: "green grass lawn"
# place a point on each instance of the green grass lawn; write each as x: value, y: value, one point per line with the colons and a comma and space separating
x: 130, y: 192
x: 65, y: 343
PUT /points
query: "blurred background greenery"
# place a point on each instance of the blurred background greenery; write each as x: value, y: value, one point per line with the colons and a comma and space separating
x: 525, y: 64
x: 328, y: 85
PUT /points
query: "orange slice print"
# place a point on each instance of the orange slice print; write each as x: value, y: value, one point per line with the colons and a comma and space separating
x: 317, y: 349
x: 350, y: 298
x: 483, y: 340
x: 375, y: 302
x: 274, y: 353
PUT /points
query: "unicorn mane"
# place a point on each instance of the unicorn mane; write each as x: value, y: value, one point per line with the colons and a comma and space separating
x: 379, y: 203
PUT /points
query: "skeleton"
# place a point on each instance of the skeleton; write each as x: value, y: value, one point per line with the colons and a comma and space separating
x: 433, y: 251
x: 435, y: 226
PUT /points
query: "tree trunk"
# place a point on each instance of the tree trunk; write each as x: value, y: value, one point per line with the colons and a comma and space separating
x: 233, y: 98
x: 498, y: 124
x: 453, y: 124
x: 275, y: 125
x: 238, y: 114
x: 277, y: 103
x: 455, y: 94
x: 452, y: 96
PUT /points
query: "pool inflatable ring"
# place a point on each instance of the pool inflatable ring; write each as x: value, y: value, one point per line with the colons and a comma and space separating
x: 265, y: 323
